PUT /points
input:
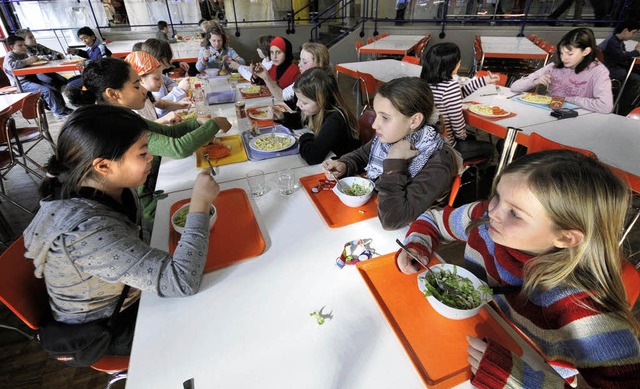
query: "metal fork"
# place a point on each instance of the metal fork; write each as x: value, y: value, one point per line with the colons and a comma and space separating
x: 496, y: 85
x: 212, y: 170
x: 444, y: 287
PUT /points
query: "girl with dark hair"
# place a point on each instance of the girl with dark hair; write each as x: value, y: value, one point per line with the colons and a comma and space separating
x: 112, y: 81
x: 84, y: 239
x: 440, y: 67
x: 263, y: 43
x: 215, y: 52
x: 325, y: 112
x: 284, y: 72
x: 409, y: 161
x: 576, y: 74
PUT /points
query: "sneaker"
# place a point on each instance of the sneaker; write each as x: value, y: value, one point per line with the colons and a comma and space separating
x: 62, y: 116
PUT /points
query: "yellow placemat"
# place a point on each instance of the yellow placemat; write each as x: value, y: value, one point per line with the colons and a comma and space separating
x: 237, y: 153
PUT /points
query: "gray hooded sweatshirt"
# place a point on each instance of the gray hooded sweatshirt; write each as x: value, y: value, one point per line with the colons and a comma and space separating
x: 86, y: 250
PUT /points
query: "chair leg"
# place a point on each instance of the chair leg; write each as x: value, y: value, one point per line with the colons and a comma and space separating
x: 30, y: 337
x: 116, y: 377
x: 16, y: 204
x: 629, y: 226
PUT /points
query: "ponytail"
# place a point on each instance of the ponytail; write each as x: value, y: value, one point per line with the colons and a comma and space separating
x: 80, y: 96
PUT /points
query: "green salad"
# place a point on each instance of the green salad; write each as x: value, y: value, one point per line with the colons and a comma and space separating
x: 180, y: 218
x: 468, y: 298
x: 357, y: 190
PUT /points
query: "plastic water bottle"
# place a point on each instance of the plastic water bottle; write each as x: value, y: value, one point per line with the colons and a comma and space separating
x: 202, y: 108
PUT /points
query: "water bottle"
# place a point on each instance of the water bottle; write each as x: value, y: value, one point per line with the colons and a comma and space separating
x: 202, y: 108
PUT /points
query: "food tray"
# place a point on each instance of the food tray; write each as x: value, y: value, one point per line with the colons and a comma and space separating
x: 255, y: 155
x: 238, y: 153
x: 266, y: 122
x: 264, y: 92
x: 436, y: 346
x: 332, y: 210
x: 236, y: 235
x: 543, y: 106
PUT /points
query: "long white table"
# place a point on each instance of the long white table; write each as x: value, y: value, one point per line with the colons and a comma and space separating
x: 391, y: 45
x: 510, y: 47
x: 383, y: 70
x: 185, y: 51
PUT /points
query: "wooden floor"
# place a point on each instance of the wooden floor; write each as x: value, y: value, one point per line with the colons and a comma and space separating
x: 22, y: 362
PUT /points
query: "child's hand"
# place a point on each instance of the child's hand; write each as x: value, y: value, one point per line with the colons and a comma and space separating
x: 223, y: 123
x: 32, y: 59
x: 407, y: 265
x: 233, y: 64
x: 184, y: 84
x: 80, y: 64
x: 205, y: 191
x: 278, y: 113
x: 71, y: 50
x: 402, y: 150
x: 543, y: 80
x: 206, y: 54
x: 170, y: 118
x: 334, y: 169
x: 492, y: 79
x: 476, y: 350
x: 260, y: 71
x: 184, y: 103
x: 184, y: 66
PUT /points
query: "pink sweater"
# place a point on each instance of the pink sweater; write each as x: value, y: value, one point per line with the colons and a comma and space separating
x: 589, y: 89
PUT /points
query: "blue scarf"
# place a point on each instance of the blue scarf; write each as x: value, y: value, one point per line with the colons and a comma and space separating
x: 426, y: 140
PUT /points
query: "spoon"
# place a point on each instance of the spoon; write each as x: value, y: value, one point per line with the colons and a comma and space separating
x: 206, y: 156
x: 444, y: 287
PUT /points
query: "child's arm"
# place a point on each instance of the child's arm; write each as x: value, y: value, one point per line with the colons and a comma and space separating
x: 273, y: 86
x: 168, y: 105
x: 401, y: 199
x: 473, y: 85
x: 292, y: 120
x: 451, y: 110
x: 602, y: 100
x: 181, y: 140
x: 233, y: 55
x: 314, y: 148
x: 529, y: 82
x: 203, y: 59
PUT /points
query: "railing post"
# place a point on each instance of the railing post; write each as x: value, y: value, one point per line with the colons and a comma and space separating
x: 166, y: 2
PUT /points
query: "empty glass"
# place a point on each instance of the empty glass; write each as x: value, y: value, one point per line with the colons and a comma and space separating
x: 286, y: 181
x: 257, y: 185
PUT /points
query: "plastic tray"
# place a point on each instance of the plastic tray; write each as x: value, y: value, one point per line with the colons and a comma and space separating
x: 264, y: 92
x: 259, y: 155
x: 267, y: 122
x: 236, y: 235
x: 437, y: 346
x: 332, y: 210
x: 237, y: 153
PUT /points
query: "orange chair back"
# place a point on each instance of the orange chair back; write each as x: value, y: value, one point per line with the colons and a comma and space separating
x: 532, y: 38
x: 411, y: 59
x: 538, y: 143
x: 359, y: 44
x: 365, y: 123
x: 30, y: 106
x: 550, y: 49
x: 634, y: 114
x: 455, y: 188
x: 368, y: 85
x: 631, y: 281
x: 20, y: 290
x: 384, y: 34
x: 370, y: 40
x: 503, y: 77
x: 378, y: 37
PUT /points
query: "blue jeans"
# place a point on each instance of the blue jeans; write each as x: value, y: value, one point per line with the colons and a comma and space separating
x: 52, y: 79
x: 52, y: 96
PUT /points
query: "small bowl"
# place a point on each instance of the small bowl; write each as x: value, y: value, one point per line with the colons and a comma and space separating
x: 212, y: 218
x: 212, y: 72
x: 353, y: 201
x: 445, y: 310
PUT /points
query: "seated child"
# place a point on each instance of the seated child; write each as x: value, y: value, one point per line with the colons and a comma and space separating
x: 550, y: 230
x: 576, y: 74
x: 54, y: 80
x: 163, y: 30
x: 265, y: 60
x: 216, y: 53
x: 18, y: 58
x: 283, y: 71
x: 409, y: 161
x: 95, y: 50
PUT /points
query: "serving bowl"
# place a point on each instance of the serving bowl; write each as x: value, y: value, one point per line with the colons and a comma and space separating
x: 445, y: 310
x: 212, y: 218
x: 212, y: 72
x: 353, y: 201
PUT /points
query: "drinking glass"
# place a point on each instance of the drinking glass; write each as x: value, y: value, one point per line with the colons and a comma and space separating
x: 257, y: 185
x: 286, y: 181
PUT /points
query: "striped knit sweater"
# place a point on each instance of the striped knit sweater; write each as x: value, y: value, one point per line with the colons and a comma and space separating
x: 572, y: 338
x: 448, y: 96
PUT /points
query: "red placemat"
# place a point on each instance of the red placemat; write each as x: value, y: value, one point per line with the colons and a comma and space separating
x: 264, y: 92
x: 332, y: 210
x: 494, y: 119
x: 236, y: 235
x: 437, y: 346
x: 254, y: 111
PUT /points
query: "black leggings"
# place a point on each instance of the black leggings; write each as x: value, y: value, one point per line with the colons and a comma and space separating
x: 123, y: 328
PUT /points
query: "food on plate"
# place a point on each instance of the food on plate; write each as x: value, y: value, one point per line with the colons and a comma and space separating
x: 468, y: 297
x: 357, y: 190
x: 259, y: 113
x: 218, y: 150
x: 487, y: 110
x: 272, y: 142
x: 180, y: 217
x: 223, y: 72
x: 253, y: 89
x: 536, y: 98
x: 37, y: 63
x: 186, y: 115
x: 237, y: 76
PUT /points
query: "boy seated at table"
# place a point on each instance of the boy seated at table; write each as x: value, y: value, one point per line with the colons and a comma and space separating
x: 54, y: 80
x: 18, y: 58
x: 95, y: 50
x: 162, y: 33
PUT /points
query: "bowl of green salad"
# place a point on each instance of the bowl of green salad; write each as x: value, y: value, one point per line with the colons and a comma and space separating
x: 354, y: 191
x: 466, y: 296
x: 179, y: 217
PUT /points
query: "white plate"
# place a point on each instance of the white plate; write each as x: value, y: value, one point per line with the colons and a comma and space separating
x: 259, y: 113
x: 474, y: 106
x: 39, y: 63
x: 285, y: 140
x: 248, y: 91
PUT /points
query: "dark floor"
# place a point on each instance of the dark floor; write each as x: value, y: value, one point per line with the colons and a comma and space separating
x: 22, y: 362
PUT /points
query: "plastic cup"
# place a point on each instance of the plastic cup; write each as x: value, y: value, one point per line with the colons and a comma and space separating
x: 286, y: 181
x: 257, y: 185
x: 556, y: 102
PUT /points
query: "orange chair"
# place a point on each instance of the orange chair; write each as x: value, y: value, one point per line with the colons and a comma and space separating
x: 538, y: 41
x: 26, y: 296
x: 365, y: 123
x: 378, y: 37
x: 411, y: 59
x: 5, y: 85
x: 384, y: 34
x: 33, y: 109
x: 631, y: 281
x: 368, y: 87
x: 503, y: 77
x: 359, y: 44
x: 532, y: 38
x: 634, y: 114
x: 370, y: 40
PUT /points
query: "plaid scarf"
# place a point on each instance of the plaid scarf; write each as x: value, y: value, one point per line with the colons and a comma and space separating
x: 426, y: 140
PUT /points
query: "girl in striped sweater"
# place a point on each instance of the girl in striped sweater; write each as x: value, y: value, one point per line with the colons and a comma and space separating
x: 440, y: 68
x: 552, y: 228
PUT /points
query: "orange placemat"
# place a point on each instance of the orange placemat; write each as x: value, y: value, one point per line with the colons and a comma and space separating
x: 332, y: 210
x: 260, y: 122
x: 264, y: 92
x: 235, y: 236
x: 237, y: 153
x: 437, y: 346
x: 510, y: 115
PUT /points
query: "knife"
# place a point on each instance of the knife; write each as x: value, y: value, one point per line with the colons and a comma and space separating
x: 489, y: 94
x: 517, y: 94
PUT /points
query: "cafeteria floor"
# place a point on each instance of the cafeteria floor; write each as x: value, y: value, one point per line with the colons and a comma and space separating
x: 24, y: 365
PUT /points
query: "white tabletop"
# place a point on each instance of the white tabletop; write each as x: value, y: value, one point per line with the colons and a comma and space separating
x: 13, y: 100
x: 392, y: 44
x: 383, y: 70
x: 510, y: 47
x: 181, y: 50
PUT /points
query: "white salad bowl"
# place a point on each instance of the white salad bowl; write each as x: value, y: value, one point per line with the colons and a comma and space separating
x: 354, y: 201
x: 212, y: 219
